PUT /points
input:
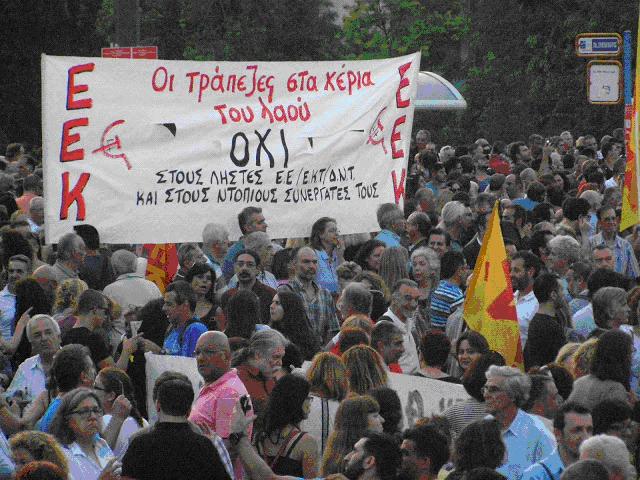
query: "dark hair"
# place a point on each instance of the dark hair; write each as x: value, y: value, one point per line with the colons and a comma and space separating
x: 435, y: 347
x: 89, y: 234
x: 608, y: 412
x: 479, y: 445
x: 184, y: 293
x: 544, y: 285
x: 201, y: 269
x: 475, y: 339
x: 573, y: 208
x: 317, y: 229
x: 245, y: 215
x: 450, y: 263
x: 247, y: 251
x: 14, y: 243
x: 118, y: 382
x: 568, y: 407
x: 538, y: 241
x: 154, y: 321
x: 284, y: 406
x: 474, y: 378
x: 164, y: 377
x: 280, y: 263
x: 365, y: 251
x: 562, y: 378
x: 175, y: 397
x: 243, y: 313
x: 295, y: 324
x: 538, y: 389
x: 444, y: 233
x: 390, y: 408
x: 385, y: 450
x: 422, y: 222
x: 352, y: 336
x: 530, y: 261
x: 41, y: 470
x: 536, y: 191
x: 612, y: 357
x: 59, y: 427
x: 603, y: 277
x: 29, y: 294
x: 90, y: 299
x: 68, y: 364
x: 429, y: 443
x: 382, y: 331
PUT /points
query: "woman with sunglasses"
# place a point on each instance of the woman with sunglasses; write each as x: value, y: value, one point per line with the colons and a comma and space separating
x: 110, y: 384
x: 76, y: 425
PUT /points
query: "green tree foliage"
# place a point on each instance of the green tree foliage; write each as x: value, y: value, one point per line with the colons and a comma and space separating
x: 31, y: 28
x: 524, y: 76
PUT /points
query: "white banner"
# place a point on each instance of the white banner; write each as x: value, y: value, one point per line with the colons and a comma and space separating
x: 149, y: 151
x: 420, y: 397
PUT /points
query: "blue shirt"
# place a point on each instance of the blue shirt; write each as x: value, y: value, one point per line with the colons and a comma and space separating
x: 186, y: 348
x: 554, y: 465
x: 327, y: 274
x: 45, y: 421
x: 626, y: 262
x: 7, y: 467
x: 389, y: 238
x: 525, y: 203
x: 528, y: 441
x: 444, y: 301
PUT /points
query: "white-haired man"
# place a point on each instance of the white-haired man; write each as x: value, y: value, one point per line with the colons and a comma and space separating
x: 527, y: 439
x: 456, y: 219
x: 612, y: 452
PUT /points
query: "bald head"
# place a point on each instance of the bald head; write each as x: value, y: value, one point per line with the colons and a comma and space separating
x: 213, y: 355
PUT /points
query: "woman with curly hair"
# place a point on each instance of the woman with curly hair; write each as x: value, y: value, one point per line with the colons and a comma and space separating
x: 365, y: 369
x: 66, y: 301
x: 289, y: 317
x: 202, y: 279
x: 285, y: 447
x: 30, y: 446
x: 479, y: 445
x: 355, y: 416
x: 368, y: 257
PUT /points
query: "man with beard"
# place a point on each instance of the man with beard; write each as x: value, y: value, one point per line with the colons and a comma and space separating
x: 213, y: 408
x: 375, y: 456
x: 547, y: 329
x: 525, y: 267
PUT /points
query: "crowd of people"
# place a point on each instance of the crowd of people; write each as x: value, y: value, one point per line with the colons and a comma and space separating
x: 296, y: 340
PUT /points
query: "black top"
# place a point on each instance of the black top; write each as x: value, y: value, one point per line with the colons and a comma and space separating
x: 172, y: 451
x: 544, y: 340
x: 94, y: 341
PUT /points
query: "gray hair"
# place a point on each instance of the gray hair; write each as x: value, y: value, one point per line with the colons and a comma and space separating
x: 452, y: 212
x: 68, y: 244
x: 611, y: 451
x: 588, y: 469
x: 593, y: 197
x: 358, y: 297
x: 264, y: 341
x: 36, y: 318
x: 387, y: 219
x: 528, y: 175
x: 430, y: 256
x: 188, y: 252
x: 256, y: 241
x: 214, y: 233
x: 603, y: 301
x: 565, y: 247
x: 516, y: 384
x: 124, y: 261
x: 382, y: 210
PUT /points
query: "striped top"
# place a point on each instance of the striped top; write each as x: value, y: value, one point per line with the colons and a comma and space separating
x: 444, y: 301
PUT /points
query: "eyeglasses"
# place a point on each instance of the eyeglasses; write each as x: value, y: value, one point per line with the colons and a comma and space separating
x: 246, y: 264
x: 491, y: 389
x: 85, y: 413
x: 205, y: 352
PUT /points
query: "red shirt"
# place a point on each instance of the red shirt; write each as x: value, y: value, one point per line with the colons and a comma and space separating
x: 257, y: 386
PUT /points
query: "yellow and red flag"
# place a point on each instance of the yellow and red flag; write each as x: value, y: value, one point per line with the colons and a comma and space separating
x: 630, y: 212
x: 489, y: 307
x: 162, y: 263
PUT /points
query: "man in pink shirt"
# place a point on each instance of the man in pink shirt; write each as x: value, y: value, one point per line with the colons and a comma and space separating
x: 214, y: 406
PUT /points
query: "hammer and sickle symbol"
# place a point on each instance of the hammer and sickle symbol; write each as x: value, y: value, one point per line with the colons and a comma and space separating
x: 112, y: 144
x: 376, y: 132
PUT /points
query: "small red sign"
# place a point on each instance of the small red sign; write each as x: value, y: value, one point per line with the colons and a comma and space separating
x: 116, y: 52
x: 145, y: 52
x: 150, y: 52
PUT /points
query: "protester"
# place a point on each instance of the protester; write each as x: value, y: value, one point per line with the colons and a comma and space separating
x: 31, y: 446
x: 202, y: 278
x: 365, y: 369
x: 289, y: 317
x: 480, y: 444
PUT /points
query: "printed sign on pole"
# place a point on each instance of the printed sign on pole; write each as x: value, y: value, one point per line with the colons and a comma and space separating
x: 604, y: 82
x: 598, y: 45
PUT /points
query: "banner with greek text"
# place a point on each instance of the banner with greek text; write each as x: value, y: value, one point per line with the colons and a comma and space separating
x: 149, y: 151
x: 420, y: 397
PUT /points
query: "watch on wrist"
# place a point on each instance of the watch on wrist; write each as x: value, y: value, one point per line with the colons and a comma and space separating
x: 235, y: 437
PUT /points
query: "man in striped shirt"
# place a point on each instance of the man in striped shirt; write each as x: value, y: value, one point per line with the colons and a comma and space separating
x: 448, y: 295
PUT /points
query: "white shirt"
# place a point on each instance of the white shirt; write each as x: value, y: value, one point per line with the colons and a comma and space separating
x: 83, y: 467
x: 409, y: 361
x: 131, y: 291
x: 30, y: 379
x: 526, y: 308
x: 128, y: 428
